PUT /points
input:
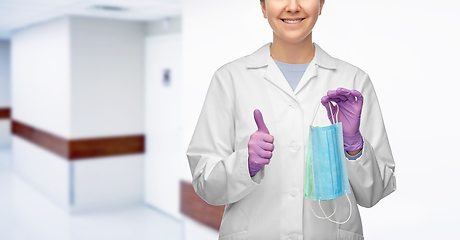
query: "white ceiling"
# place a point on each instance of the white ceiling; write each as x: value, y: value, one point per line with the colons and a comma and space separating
x: 16, y: 14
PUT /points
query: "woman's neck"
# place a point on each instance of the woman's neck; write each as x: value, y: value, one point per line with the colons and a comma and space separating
x: 293, y: 53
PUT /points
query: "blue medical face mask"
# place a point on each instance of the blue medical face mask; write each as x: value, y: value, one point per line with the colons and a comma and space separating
x: 326, y: 175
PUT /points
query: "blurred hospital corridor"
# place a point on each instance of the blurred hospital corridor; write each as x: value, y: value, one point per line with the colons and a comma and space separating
x: 91, y: 126
x: 99, y: 100
x: 27, y: 214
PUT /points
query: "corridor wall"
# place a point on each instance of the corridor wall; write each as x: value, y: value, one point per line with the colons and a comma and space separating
x: 78, y: 123
x: 5, y: 98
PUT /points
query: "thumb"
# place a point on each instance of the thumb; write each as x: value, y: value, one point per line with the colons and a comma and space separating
x: 260, y: 122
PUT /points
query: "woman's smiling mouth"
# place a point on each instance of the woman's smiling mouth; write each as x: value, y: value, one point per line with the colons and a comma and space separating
x: 292, y: 20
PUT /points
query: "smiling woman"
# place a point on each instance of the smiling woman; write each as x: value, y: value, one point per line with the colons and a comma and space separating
x: 292, y: 22
x: 258, y: 166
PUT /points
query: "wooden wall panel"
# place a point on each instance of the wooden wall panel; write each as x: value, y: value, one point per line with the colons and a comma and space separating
x: 41, y: 138
x: 80, y: 148
x: 5, y: 113
x: 101, y: 147
x: 196, y: 208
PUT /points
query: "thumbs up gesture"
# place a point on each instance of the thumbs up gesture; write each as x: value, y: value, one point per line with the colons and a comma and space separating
x: 260, y: 146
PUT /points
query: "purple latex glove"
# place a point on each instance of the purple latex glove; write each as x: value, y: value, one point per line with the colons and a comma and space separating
x: 350, y: 103
x: 260, y: 145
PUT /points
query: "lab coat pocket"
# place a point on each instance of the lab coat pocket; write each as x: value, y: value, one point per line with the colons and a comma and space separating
x: 345, y: 235
x: 236, y: 236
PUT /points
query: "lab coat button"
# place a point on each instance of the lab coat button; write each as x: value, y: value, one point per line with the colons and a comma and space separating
x: 295, y: 146
x: 294, y: 105
x: 294, y: 192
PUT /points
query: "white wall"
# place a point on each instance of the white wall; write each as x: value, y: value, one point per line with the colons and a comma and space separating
x: 5, y: 133
x: 107, y: 59
x: 40, y: 87
x: 31, y: 76
x: 165, y: 163
x: 106, y: 183
x: 107, y: 99
x: 42, y: 169
x: 166, y: 26
x: 5, y: 89
x: 194, y: 230
x: 410, y: 50
x: 5, y: 100
x: 80, y: 78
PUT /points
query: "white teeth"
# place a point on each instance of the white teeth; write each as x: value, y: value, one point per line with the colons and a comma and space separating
x: 291, y: 21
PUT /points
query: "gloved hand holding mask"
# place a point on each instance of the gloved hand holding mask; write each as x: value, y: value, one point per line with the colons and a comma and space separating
x: 260, y: 146
x: 350, y: 103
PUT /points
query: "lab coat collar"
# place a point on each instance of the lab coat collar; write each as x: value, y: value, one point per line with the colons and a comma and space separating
x: 261, y: 57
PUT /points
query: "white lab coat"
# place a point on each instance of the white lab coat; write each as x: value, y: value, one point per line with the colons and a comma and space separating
x: 271, y: 204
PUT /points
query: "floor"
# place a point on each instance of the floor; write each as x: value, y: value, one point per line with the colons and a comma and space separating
x: 26, y: 214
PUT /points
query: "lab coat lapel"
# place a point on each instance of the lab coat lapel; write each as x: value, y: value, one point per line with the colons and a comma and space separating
x: 321, y: 59
x: 275, y: 76
x: 261, y: 59
x: 311, y: 72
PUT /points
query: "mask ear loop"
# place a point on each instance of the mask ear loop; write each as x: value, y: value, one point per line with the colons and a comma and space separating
x: 315, y: 112
x: 325, y: 217
x: 332, y: 114
x: 349, y: 216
